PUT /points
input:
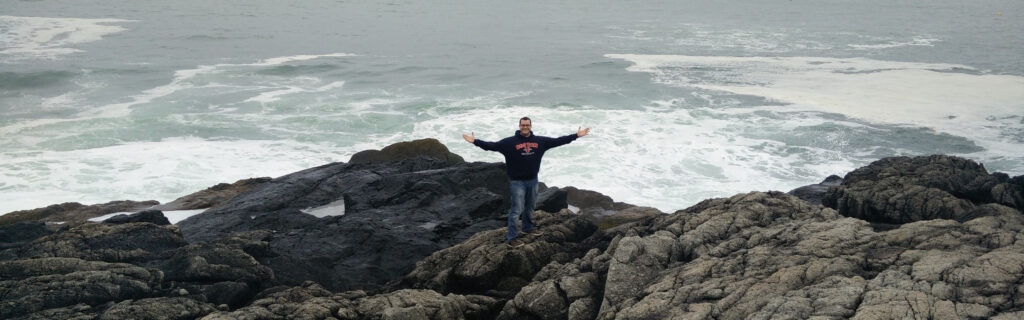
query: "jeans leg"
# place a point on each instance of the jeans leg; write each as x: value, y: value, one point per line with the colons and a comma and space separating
x: 529, y: 201
x: 517, y: 190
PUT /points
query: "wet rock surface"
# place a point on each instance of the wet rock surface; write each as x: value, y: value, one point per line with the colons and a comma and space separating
x: 903, y: 189
x: 301, y: 246
x: 816, y: 192
x: 358, y: 226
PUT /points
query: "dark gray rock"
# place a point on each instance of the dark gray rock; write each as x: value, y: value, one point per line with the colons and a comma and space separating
x: 552, y: 200
x: 131, y: 242
x: 394, y: 214
x: 16, y: 234
x: 171, y: 308
x: 98, y: 265
x: 592, y: 201
x: 813, y: 193
x: 152, y: 216
x: 32, y: 285
x: 484, y: 264
x: 902, y: 189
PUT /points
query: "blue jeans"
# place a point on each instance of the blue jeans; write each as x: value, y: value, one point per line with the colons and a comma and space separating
x: 524, y: 197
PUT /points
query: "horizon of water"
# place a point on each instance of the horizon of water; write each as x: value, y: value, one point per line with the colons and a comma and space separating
x: 686, y: 101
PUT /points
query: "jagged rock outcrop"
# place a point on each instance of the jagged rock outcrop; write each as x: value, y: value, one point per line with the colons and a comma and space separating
x: 131, y: 270
x: 406, y: 150
x: 593, y: 202
x: 350, y: 225
x: 903, y: 189
x: 74, y: 211
x: 212, y: 196
x: 484, y: 264
x: 152, y: 216
x: 311, y: 301
x: 552, y: 199
x: 814, y: 193
x: 33, y: 285
x: 157, y: 308
x: 772, y: 255
x: 19, y: 233
x: 132, y: 242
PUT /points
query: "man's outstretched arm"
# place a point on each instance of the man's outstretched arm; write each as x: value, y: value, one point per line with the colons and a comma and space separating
x: 471, y: 138
x: 555, y: 142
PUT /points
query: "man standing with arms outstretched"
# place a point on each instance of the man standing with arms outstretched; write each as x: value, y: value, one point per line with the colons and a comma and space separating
x: 523, y: 152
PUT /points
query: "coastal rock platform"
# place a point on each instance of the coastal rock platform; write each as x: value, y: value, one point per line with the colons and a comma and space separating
x: 420, y: 235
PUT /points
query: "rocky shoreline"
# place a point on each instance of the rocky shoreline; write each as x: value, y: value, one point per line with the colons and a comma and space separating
x: 414, y: 232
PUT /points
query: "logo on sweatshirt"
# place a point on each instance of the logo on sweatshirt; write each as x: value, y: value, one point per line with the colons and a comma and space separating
x: 527, y: 147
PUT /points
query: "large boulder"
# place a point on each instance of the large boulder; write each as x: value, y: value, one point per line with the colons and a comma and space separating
x: 152, y: 216
x: 552, y: 199
x: 408, y: 149
x: 589, y: 201
x: 903, y: 189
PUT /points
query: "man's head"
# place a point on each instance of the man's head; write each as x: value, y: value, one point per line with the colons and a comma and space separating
x: 525, y: 125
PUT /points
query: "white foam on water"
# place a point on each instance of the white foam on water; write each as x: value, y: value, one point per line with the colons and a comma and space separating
x: 160, y: 170
x: 668, y: 160
x: 916, y: 41
x: 985, y: 108
x: 196, y: 79
x: 275, y: 95
x: 50, y: 38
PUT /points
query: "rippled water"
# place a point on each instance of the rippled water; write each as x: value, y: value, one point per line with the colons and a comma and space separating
x: 686, y: 101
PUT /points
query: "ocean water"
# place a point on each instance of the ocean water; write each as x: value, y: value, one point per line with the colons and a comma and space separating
x: 686, y: 100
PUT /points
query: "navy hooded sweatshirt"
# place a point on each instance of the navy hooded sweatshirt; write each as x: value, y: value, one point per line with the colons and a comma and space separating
x: 523, y: 154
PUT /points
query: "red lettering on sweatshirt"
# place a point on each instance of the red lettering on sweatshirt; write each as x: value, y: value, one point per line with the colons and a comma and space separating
x: 526, y: 145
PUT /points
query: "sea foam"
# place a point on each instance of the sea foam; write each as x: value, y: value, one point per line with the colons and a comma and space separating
x: 159, y: 170
x: 949, y: 98
x: 50, y: 38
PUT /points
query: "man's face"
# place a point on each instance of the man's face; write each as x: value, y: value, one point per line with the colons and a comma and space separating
x: 524, y: 127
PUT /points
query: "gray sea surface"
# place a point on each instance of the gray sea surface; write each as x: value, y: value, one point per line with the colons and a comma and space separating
x: 686, y: 100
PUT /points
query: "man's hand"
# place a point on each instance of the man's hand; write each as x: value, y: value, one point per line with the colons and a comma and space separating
x: 472, y: 136
x: 581, y: 132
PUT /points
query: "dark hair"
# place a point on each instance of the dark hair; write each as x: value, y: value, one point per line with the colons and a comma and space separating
x: 526, y: 118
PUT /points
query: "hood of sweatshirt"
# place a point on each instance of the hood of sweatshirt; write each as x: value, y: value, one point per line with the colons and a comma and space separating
x: 520, y: 136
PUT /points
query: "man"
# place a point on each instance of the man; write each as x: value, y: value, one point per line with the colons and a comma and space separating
x: 523, y: 152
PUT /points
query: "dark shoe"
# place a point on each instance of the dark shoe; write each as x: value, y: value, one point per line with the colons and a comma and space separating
x: 533, y: 232
x: 514, y: 243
